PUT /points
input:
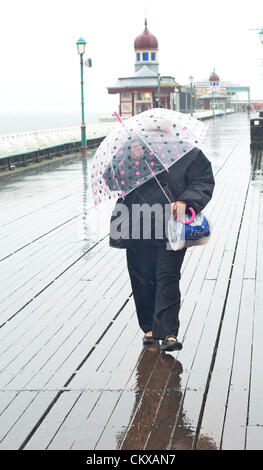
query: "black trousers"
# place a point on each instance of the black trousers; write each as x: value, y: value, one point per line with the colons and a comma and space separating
x: 155, y: 273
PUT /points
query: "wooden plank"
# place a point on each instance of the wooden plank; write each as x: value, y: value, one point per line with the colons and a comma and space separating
x: 151, y: 378
x: 62, y: 288
x: 51, y: 425
x: 30, y: 406
x: 214, y: 413
x: 113, y: 365
x: 260, y: 243
x: 6, y: 398
x: 42, y: 438
x: 64, y: 438
x: 229, y: 265
x: 88, y: 433
x: 98, y: 378
x: 26, y: 287
x: 32, y: 288
x: 200, y: 369
x: 15, y: 434
x: 12, y: 413
x: 41, y: 348
x: 251, y: 259
x: 234, y: 431
x: 255, y: 416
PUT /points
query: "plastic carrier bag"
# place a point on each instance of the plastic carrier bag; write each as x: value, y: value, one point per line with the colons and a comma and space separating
x: 195, y: 230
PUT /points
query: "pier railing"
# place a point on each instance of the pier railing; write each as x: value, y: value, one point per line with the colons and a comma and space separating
x: 20, y: 149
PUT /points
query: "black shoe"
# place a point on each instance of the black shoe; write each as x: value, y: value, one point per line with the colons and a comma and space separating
x: 147, y: 340
x: 171, y: 344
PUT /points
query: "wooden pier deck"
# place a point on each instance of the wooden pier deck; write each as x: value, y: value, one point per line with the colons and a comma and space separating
x: 73, y: 373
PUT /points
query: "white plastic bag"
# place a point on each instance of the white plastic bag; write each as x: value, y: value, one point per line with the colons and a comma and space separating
x: 184, y: 235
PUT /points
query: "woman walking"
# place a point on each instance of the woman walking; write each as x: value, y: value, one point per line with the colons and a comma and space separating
x: 139, y: 220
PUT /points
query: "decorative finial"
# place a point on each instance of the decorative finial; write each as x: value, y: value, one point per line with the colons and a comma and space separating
x: 145, y: 23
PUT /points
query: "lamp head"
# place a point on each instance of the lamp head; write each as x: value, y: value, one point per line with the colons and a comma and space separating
x: 81, y: 44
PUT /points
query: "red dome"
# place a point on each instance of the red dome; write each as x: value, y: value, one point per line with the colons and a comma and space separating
x: 146, y: 40
x: 214, y: 77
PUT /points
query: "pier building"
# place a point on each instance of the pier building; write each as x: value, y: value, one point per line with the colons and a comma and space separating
x: 212, y: 94
x: 140, y: 91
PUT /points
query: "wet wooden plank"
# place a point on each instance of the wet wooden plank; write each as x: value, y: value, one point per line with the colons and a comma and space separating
x: 29, y: 407
x: 260, y: 242
x: 180, y: 427
x: 39, y: 272
x: 151, y: 378
x: 6, y: 397
x: 49, y: 307
x: 89, y: 432
x: 116, y: 381
x: 255, y: 416
x: 234, y: 431
x: 115, y: 365
x: 11, y: 414
x: 69, y: 278
x: 42, y: 438
x: 252, y: 252
x: 199, y: 371
x: 32, y: 406
x: 106, y: 355
x: 64, y: 438
x: 50, y: 322
x: 202, y: 269
x: 254, y: 437
x: 215, y: 407
x: 54, y: 336
x: 16, y: 193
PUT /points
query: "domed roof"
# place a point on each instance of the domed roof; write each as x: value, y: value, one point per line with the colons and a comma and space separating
x: 214, y: 77
x: 146, y: 40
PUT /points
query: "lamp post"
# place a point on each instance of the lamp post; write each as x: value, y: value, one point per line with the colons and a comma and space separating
x: 191, y: 94
x: 81, y: 43
x: 159, y: 91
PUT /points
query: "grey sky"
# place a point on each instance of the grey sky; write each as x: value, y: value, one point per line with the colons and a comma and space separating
x: 40, y: 65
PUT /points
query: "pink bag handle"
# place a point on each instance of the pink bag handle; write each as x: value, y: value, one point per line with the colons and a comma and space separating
x: 186, y: 222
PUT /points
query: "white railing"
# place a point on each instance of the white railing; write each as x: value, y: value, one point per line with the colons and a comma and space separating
x: 24, y: 141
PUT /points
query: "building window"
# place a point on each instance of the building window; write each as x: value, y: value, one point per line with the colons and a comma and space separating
x: 153, y: 56
x: 145, y: 56
x: 138, y: 55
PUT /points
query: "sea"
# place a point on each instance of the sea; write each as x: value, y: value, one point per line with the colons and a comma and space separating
x: 11, y: 123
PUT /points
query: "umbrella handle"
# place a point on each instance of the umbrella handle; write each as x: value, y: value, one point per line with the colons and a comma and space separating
x: 118, y: 117
x: 186, y: 222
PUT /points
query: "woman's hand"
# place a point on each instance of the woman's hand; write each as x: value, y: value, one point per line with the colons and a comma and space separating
x: 179, y: 209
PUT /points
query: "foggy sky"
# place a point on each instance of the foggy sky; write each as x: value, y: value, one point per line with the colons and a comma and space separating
x: 40, y: 64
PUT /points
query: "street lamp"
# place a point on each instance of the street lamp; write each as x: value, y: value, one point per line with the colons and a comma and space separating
x: 191, y: 94
x: 159, y: 91
x: 81, y: 44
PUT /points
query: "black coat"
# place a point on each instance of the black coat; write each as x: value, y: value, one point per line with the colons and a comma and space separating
x: 190, y: 179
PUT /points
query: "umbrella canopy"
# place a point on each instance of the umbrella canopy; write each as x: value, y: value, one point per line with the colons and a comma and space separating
x: 141, y: 148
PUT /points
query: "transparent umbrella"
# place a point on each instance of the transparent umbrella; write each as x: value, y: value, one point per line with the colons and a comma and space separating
x: 140, y: 148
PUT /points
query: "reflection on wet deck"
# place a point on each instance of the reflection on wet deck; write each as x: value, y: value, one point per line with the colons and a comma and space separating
x: 73, y: 373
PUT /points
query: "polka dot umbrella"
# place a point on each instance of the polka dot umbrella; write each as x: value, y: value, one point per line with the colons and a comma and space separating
x: 141, y: 148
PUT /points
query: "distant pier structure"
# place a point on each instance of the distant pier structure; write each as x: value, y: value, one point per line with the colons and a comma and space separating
x: 139, y: 91
x: 215, y: 96
x: 219, y: 94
